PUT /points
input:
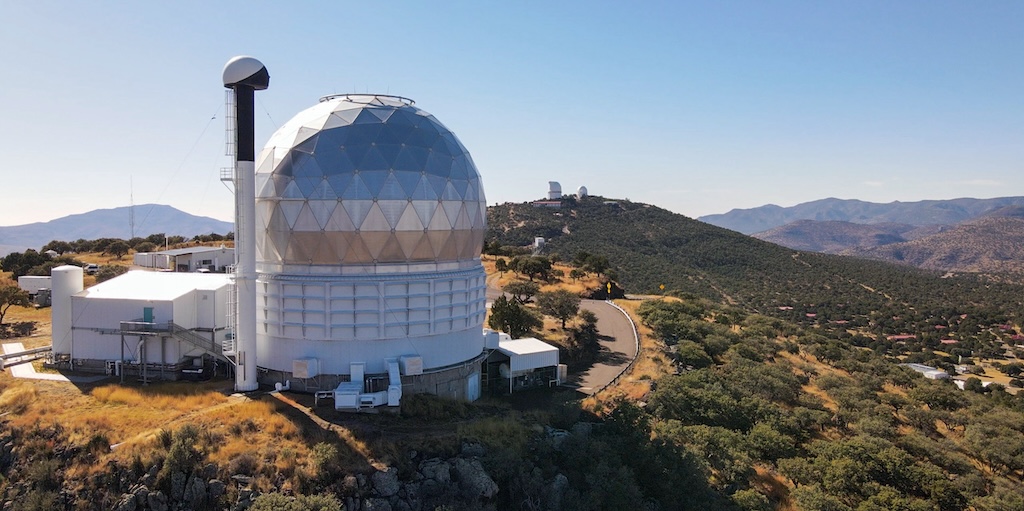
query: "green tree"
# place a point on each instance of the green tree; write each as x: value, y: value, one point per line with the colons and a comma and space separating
x: 11, y: 296
x: 522, y: 291
x: 501, y: 265
x: 118, y: 249
x: 19, y: 263
x: 110, y: 271
x: 145, y: 246
x: 583, y: 339
x: 576, y: 274
x: 973, y: 384
x: 512, y: 318
x: 59, y: 247
x: 560, y: 304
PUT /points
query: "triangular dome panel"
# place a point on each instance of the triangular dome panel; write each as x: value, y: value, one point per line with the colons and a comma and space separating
x: 409, y: 241
x: 423, y: 250
x: 357, y: 252
x: 339, y: 221
x: 357, y: 210
x: 424, y: 190
x: 375, y: 220
x: 292, y: 191
x: 407, y: 182
x: 392, y: 251
x: 439, y: 220
x: 452, y: 210
x: 356, y: 189
x: 392, y: 210
x: 324, y: 253
x: 305, y: 140
x: 323, y: 191
x: 341, y: 118
x: 374, y: 180
x: 291, y: 210
x: 338, y: 244
x: 392, y: 189
x: 425, y: 210
x: 375, y: 243
x: 410, y: 220
x: 322, y: 210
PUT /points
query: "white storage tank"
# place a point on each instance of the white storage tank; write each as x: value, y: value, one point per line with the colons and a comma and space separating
x: 67, y: 281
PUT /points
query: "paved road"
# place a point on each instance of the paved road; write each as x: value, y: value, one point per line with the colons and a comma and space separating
x: 618, y: 345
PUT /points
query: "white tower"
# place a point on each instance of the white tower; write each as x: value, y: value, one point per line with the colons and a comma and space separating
x: 245, y: 75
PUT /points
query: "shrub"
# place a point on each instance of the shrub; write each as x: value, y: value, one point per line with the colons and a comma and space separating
x: 324, y: 458
x: 244, y: 464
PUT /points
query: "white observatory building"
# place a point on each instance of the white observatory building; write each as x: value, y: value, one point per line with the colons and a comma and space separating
x: 370, y: 220
x: 357, y: 272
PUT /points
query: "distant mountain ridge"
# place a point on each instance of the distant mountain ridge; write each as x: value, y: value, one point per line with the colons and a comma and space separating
x: 992, y: 243
x: 921, y: 213
x: 110, y: 223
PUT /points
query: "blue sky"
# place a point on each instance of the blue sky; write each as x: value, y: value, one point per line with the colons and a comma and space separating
x: 697, y: 107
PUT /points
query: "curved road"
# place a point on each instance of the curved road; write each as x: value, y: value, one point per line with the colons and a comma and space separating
x: 618, y: 345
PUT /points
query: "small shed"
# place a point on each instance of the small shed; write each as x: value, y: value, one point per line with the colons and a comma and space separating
x: 518, y: 364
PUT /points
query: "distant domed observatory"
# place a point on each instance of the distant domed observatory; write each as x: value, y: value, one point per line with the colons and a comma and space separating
x: 370, y: 220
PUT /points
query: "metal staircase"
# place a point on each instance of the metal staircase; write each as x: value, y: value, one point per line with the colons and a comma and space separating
x: 178, y: 332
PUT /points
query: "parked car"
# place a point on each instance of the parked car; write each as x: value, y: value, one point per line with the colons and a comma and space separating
x: 92, y: 268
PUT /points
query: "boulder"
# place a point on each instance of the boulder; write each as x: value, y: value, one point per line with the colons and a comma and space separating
x: 195, y: 492
x: 178, y: 481
x: 436, y: 469
x: 216, y: 489
x: 157, y: 501
x: 385, y: 482
x: 377, y: 505
x: 474, y: 482
x: 126, y: 503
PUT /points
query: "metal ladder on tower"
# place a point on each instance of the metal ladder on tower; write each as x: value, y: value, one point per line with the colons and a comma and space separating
x: 228, y: 347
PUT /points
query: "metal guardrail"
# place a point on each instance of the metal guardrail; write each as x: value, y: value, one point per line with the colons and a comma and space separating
x: 636, y: 337
x: 9, y: 359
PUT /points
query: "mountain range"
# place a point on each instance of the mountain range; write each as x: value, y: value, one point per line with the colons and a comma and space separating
x: 969, y: 235
x: 110, y: 223
x: 921, y: 213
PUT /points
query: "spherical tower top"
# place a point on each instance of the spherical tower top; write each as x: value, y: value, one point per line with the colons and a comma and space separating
x: 581, y: 192
x: 367, y: 180
x: 247, y: 71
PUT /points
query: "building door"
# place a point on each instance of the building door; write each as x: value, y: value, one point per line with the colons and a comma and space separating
x: 473, y: 387
x: 147, y: 314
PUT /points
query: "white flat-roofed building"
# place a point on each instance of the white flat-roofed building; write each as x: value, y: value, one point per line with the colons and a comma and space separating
x: 160, y: 319
x: 214, y: 259
x: 929, y: 372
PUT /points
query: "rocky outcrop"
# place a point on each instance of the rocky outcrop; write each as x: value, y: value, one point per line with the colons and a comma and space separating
x: 436, y: 482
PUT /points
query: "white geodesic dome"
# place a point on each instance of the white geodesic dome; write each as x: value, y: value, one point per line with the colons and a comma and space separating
x: 366, y: 180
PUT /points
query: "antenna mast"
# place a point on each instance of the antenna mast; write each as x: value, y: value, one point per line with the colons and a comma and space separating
x: 131, y: 205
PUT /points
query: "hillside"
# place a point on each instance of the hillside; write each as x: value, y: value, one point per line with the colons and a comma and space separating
x: 993, y: 244
x: 109, y: 223
x: 834, y: 236
x: 921, y: 213
x: 650, y: 246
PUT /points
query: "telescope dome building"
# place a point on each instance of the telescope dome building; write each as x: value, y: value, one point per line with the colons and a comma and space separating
x: 370, y: 220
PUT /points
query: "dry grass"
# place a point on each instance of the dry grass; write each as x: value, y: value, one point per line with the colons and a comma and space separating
x: 499, y: 280
x: 17, y: 398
